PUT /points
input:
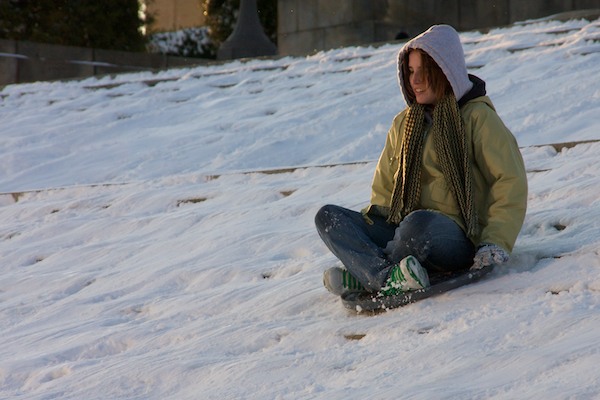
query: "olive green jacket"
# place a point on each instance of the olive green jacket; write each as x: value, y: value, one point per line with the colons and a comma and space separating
x: 499, y: 178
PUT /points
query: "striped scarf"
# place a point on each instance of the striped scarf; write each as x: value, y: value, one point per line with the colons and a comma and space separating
x: 451, y: 147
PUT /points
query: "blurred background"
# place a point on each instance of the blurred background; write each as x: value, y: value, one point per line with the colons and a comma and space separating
x: 58, y: 39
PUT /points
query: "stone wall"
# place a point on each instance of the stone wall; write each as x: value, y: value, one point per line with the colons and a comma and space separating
x: 306, y: 26
x: 29, y: 62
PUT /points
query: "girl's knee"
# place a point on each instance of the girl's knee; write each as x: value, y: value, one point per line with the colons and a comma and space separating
x: 427, y: 220
x: 416, y: 224
x: 325, y: 216
x: 419, y: 218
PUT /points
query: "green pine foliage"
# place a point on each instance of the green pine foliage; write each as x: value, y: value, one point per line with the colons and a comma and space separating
x: 221, y: 16
x: 106, y: 24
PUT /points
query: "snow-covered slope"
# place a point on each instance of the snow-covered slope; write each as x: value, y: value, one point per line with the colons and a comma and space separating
x: 143, y: 255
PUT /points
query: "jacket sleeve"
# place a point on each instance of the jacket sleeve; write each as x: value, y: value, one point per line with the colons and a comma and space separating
x: 384, y: 177
x: 504, y: 196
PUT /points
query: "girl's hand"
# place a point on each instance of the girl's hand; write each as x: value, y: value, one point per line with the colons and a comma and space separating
x: 489, y: 254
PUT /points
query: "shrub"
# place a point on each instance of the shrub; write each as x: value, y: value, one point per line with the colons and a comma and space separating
x: 189, y: 42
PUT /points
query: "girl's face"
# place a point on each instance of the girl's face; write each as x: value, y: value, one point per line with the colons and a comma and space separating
x: 418, y: 79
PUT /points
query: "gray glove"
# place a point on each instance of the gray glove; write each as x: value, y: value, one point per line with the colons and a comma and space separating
x: 489, y: 254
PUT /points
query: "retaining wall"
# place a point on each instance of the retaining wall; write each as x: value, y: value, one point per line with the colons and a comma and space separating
x: 28, y: 62
x: 306, y: 26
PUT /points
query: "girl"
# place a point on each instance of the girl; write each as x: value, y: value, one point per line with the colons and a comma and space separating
x: 450, y: 190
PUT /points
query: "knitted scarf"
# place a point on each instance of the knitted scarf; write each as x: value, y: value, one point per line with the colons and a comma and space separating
x: 450, y: 144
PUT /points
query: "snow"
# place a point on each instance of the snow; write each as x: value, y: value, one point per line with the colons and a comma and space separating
x: 157, y: 236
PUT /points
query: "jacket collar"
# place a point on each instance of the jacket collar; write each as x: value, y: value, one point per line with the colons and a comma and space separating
x: 477, y: 90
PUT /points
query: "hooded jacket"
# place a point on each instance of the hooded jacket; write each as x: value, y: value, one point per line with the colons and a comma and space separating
x: 499, y: 177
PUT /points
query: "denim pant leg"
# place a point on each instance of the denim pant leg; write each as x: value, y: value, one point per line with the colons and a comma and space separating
x: 357, y: 244
x: 435, y: 240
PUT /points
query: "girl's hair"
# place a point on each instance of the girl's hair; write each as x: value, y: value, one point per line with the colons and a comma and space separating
x: 433, y: 74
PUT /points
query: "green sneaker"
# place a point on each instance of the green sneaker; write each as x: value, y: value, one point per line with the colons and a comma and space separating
x: 340, y: 282
x: 407, y: 275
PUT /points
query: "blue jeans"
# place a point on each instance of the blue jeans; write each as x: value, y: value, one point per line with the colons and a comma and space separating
x: 435, y: 240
